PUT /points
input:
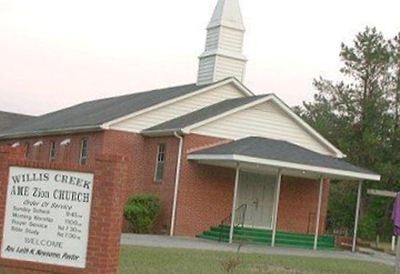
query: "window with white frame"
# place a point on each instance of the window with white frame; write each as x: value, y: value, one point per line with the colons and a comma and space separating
x: 83, y: 155
x: 53, y: 151
x: 160, y: 163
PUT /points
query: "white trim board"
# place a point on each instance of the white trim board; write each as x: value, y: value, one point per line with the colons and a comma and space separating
x: 286, y: 165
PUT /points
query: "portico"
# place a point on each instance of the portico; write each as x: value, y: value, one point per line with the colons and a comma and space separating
x: 260, y: 165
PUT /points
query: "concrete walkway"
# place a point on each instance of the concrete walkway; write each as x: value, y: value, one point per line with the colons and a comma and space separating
x: 201, y: 244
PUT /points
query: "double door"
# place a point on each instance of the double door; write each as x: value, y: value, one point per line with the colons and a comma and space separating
x: 257, y: 192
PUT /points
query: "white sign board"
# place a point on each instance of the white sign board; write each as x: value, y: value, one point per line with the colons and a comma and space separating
x: 47, y: 216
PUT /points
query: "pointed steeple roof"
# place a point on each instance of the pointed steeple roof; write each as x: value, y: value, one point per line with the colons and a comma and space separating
x: 223, y: 56
x: 227, y: 13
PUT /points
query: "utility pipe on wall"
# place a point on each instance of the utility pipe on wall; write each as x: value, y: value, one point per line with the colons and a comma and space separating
x: 176, y: 188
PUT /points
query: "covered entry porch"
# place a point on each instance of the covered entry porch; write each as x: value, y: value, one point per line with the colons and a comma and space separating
x: 261, y: 166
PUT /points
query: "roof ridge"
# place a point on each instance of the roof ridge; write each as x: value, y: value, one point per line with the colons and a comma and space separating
x: 114, y: 97
x: 92, y: 114
x: 134, y: 93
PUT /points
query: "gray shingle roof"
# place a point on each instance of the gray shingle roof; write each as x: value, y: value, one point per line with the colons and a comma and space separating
x: 269, y: 149
x: 203, y: 114
x: 91, y: 115
x: 8, y: 120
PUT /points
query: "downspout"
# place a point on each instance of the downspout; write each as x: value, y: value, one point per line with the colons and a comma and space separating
x: 176, y: 188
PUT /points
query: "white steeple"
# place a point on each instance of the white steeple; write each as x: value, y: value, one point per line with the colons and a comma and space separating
x: 223, y: 55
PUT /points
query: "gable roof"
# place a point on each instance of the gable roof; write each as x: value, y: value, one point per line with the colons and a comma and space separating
x: 91, y: 115
x: 9, y: 119
x: 203, y: 114
x: 186, y: 123
x: 282, y: 154
x: 100, y: 114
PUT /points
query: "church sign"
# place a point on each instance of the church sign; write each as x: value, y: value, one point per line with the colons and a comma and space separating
x: 47, y: 216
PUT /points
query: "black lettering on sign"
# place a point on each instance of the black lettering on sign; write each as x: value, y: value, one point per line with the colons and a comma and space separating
x: 20, y: 190
x: 39, y: 193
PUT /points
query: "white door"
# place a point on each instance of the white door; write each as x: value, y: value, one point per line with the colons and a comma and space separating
x: 257, y: 191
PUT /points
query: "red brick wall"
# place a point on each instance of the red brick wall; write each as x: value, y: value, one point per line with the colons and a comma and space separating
x: 142, y: 153
x: 110, y: 174
x: 298, y: 205
x: 64, y: 154
x: 165, y: 188
x: 109, y: 142
x: 205, y: 192
x: 132, y: 146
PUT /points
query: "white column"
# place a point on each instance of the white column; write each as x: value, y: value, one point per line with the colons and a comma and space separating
x: 357, y: 216
x: 321, y: 188
x: 276, y: 205
x: 234, y: 203
x: 393, y: 243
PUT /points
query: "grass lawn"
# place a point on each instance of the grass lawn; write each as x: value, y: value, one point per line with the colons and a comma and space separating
x: 144, y: 260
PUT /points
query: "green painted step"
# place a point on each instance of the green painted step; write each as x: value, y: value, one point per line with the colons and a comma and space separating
x: 269, y: 243
x: 268, y: 233
x: 268, y: 239
x: 263, y: 236
x: 281, y: 242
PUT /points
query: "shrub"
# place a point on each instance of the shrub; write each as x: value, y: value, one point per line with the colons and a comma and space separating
x: 141, y: 212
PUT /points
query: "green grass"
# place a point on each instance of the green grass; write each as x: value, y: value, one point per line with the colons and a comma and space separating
x: 144, y: 260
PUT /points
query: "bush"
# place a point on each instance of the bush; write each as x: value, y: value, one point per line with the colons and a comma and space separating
x: 141, y: 212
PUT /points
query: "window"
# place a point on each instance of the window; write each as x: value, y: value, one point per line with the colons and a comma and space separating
x: 53, y: 152
x: 37, y: 150
x: 159, y: 172
x: 84, y: 152
x: 27, y: 150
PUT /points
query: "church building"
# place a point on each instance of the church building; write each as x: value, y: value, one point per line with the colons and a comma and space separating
x: 227, y: 164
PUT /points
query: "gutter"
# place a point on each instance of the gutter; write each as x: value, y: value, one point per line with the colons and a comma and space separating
x: 176, y: 188
x: 327, y: 171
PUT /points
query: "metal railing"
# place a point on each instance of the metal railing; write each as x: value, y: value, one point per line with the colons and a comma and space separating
x: 240, y: 218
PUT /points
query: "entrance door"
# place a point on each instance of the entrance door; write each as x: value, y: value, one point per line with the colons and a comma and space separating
x: 257, y: 191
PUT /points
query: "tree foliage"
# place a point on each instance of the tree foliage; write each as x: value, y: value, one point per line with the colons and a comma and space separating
x: 361, y: 115
x: 141, y: 212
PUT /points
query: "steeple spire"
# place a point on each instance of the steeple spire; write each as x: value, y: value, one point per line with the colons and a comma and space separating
x: 223, y: 56
x: 227, y: 13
